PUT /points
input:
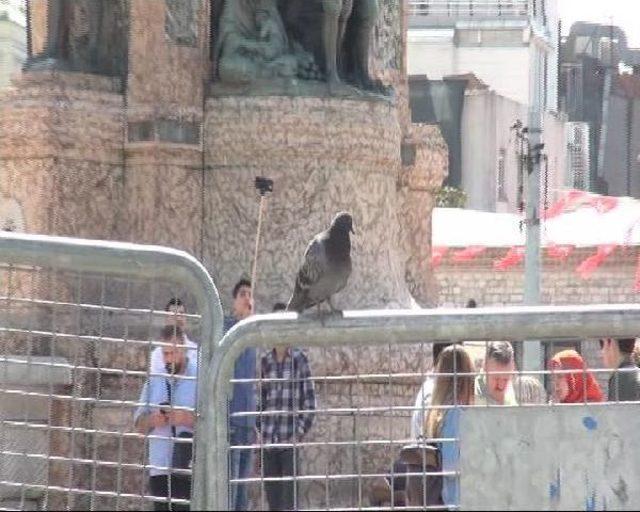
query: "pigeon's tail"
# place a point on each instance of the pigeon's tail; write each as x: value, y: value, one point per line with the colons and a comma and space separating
x: 298, y: 301
x: 295, y: 304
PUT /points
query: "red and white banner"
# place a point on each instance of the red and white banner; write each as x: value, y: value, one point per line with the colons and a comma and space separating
x: 574, y: 199
x: 514, y: 256
x: 437, y: 255
x: 586, y: 269
x: 560, y: 252
x: 468, y: 254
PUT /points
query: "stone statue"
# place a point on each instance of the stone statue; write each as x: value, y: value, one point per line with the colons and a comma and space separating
x: 347, y: 26
x: 341, y: 41
x: 253, y: 45
x: 180, y: 22
x: 87, y: 36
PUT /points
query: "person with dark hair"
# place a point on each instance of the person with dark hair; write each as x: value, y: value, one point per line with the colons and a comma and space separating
x: 617, y: 354
x: 166, y: 411
x: 243, y: 400
x: 472, y: 304
x: 423, y: 400
x: 287, y: 396
x: 279, y: 306
x: 176, y: 317
x: 493, y: 386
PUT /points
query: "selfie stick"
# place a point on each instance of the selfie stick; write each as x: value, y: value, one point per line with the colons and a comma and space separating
x: 263, y: 186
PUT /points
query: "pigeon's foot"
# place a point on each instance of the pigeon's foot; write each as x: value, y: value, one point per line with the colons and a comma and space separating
x: 321, y: 313
x: 333, y: 309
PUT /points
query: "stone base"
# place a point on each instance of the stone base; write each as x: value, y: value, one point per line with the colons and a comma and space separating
x: 324, y: 155
x: 293, y: 87
x: 61, y: 140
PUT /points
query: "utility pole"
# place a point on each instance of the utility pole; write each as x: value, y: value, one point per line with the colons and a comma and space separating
x: 532, y: 350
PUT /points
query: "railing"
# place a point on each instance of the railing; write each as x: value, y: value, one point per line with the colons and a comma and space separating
x: 369, y: 367
x: 465, y: 9
x: 79, y: 322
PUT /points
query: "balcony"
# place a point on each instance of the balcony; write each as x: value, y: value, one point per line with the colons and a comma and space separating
x: 442, y: 13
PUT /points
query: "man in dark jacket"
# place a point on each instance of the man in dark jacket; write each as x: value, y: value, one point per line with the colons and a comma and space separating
x: 243, y: 400
x: 617, y: 354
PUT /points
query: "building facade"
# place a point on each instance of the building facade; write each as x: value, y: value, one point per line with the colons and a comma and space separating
x: 13, y: 39
x: 606, y: 102
x: 485, y: 158
x: 511, y: 46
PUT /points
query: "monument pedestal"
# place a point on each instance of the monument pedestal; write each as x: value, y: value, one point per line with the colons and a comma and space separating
x: 324, y: 155
x: 327, y: 155
x: 61, y: 152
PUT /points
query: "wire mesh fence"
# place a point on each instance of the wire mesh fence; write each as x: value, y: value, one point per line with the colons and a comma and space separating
x: 99, y: 384
x: 354, y: 415
x: 92, y: 342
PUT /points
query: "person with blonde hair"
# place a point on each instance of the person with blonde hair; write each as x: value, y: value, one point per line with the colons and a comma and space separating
x: 529, y: 390
x: 454, y: 386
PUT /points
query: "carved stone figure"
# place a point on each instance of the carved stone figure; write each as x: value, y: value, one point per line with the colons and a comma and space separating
x: 85, y: 35
x: 180, y: 22
x: 253, y: 45
x: 341, y: 40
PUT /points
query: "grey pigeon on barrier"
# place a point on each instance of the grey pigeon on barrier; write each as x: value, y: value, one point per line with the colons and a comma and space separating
x: 326, y: 266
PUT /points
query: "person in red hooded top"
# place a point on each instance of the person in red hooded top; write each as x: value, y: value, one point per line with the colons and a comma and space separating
x: 576, y: 387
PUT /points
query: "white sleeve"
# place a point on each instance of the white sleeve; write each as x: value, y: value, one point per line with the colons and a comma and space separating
x: 156, y: 362
x: 423, y: 400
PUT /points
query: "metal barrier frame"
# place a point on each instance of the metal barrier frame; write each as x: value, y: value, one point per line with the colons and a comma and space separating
x: 380, y: 328
x: 145, y: 261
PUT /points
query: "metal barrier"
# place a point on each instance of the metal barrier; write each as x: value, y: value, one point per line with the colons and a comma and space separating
x: 369, y: 366
x: 79, y: 321
x: 76, y: 322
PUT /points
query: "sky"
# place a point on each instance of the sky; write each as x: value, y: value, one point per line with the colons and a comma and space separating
x: 624, y: 13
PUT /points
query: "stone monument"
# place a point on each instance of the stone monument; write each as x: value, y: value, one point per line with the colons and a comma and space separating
x: 148, y: 122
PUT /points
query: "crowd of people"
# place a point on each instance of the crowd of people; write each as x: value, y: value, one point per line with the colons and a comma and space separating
x: 455, y: 383
x: 277, y: 388
x: 284, y: 402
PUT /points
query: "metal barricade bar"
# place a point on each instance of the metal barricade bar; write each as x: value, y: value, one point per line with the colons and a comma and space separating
x: 104, y: 257
x: 381, y: 329
x: 24, y: 258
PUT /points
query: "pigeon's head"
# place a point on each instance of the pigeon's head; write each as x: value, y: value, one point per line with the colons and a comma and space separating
x: 343, y: 223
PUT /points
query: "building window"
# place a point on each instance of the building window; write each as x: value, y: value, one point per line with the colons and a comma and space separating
x: 501, y: 175
x: 164, y: 130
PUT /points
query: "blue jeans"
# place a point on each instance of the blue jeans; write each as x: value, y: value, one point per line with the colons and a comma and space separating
x: 240, y: 464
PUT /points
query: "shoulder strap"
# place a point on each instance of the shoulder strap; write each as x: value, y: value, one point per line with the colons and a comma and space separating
x: 170, y: 400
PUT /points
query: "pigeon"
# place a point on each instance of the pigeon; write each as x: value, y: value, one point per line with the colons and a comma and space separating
x: 326, y: 266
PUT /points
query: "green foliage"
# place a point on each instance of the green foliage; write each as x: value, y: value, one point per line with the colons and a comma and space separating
x: 451, y: 197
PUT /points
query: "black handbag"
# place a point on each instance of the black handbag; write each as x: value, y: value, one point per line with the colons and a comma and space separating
x: 182, y: 445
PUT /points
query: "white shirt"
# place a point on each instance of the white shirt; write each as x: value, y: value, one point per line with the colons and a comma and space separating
x: 423, y: 401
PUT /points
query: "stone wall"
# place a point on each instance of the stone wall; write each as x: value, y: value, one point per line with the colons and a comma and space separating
x: 424, y: 166
x: 612, y: 283
x: 325, y: 155
x: 61, y: 152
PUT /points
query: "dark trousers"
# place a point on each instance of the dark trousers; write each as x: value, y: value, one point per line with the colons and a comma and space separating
x: 279, y: 462
x: 180, y: 489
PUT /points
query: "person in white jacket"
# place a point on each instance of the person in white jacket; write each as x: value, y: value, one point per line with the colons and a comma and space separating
x: 177, y: 318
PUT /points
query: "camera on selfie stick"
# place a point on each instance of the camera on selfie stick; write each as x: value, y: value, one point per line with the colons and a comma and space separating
x: 264, y: 186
